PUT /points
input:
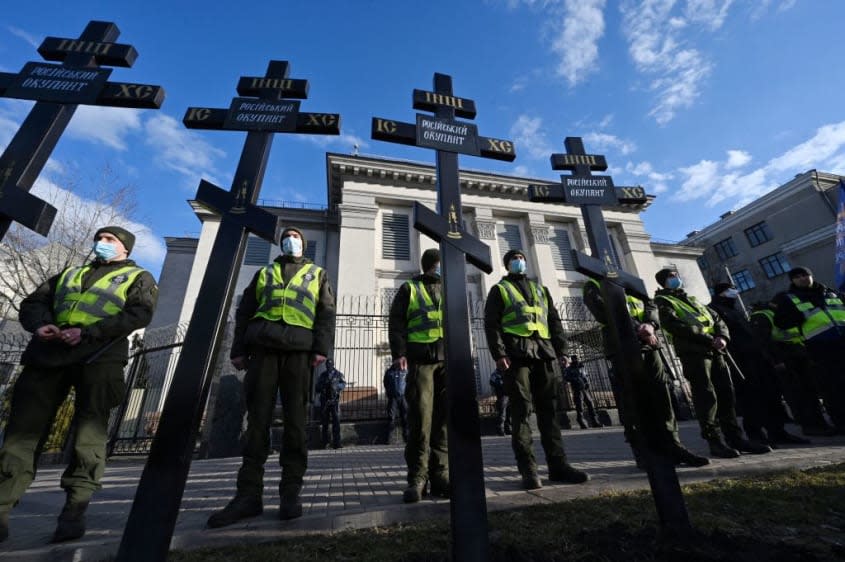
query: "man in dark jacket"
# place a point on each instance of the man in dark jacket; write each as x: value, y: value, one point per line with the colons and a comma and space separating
x: 700, y: 337
x: 415, y: 332
x: 525, y: 337
x: 819, y: 314
x: 80, y: 320
x: 395, y: 382
x: 581, y: 395
x: 284, y: 328
x: 330, y: 384
x: 758, y: 391
x: 650, y: 395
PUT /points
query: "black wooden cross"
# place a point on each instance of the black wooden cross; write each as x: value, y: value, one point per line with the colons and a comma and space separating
x: 156, y: 506
x: 58, y: 90
x: 591, y: 192
x: 449, y: 137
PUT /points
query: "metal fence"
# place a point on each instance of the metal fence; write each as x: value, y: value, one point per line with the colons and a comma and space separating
x: 361, y: 352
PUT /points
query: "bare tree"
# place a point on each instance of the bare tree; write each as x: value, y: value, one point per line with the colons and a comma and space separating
x: 28, y: 259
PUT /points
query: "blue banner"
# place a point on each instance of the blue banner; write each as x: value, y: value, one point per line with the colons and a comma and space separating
x: 840, y: 239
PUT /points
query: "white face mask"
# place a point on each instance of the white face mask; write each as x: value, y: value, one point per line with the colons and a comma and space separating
x: 730, y: 293
x: 292, y: 246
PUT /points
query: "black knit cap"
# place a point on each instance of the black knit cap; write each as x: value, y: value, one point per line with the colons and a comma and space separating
x: 429, y: 258
x: 662, y: 275
x: 509, y: 255
x: 121, y: 234
x: 796, y: 271
x: 719, y: 287
x: 301, y: 235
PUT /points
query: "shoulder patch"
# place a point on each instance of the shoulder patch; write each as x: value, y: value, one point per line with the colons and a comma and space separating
x: 118, y: 279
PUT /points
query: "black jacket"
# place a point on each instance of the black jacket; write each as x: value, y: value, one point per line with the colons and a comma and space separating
x: 687, y: 338
x: 743, y: 339
x: 787, y: 314
x: 398, y: 324
x: 255, y: 334
x: 502, y: 344
x: 594, y: 302
x: 37, y: 311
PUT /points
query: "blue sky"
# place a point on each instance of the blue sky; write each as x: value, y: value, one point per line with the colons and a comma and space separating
x: 707, y: 104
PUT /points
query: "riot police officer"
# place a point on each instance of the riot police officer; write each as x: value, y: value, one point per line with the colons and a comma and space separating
x: 329, y: 386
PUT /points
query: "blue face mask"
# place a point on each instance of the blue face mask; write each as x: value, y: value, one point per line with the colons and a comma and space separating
x: 105, y: 251
x: 517, y: 266
x: 437, y: 270
x: 674, y: 283
x: 292, y: 246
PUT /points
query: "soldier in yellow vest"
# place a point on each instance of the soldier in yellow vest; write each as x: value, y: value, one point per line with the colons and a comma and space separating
x: 650, y: 395
x: 796, y: 372
x: 700, y: 338
x: 819, y: 314
x: 284, y: 328
x: 80, y: 321
x: 525, y: 337
x: 416, y: 344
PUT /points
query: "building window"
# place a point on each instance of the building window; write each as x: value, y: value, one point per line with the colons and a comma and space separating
x: 257, y: 251
x: 758, y: 234
x: 703, y: 262
x: 510, y: 239
x: 775, y: 265
x: 726, y: 249
x: 743, y: 281
x: 396, y: 237
x: 310, y: 251
x: 614, y: 250
x: 562, y: 249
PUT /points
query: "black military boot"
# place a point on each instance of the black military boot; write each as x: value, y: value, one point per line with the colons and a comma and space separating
x: 4, y: 526
x: 239, y: 508
x: 71, y: 522
x: 581, y: 423
x: 414, y: 492
x: 290, y: 506
x: 530, y: 480
x: 682, y: 455
x: 745, y: 446
x: 567, y: 474
x: 719, y: 449
x: 440, y: 486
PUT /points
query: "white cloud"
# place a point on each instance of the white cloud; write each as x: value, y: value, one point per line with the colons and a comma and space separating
x: 104, y: 125
x: 576, y: 41
x: 710, y: 13
x: 656, y: 43
x: 26, y: 36
x: 599, y: 142
x: 182, y: 150
x: 763, y: 6
x: 715, y: 182
x: 529, y: 138
x: 520, y: 170
x: 344, y: 141
x: 656, y: 182
x: 737, y: 159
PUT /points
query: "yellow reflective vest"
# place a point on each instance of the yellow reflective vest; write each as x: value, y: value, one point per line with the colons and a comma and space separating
x: 73, y: 306
x: 294, y: 303
x: 695, y: 315
x: 792, y: 335
x: 521, y: 318
x: 817, y: 321
x: 425, y: 319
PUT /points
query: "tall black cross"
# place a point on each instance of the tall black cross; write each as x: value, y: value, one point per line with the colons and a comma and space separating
x: 156, y: 506
x: 591, y: 192
x: 449, y: 137
x: 58, y: 90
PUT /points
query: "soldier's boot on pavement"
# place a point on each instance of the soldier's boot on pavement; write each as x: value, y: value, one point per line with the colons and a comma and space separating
x: 4, y: 526
x: 290, y: 504
x: 638, y: 458
x: 531, y: 480
x: 440, y: 485
x: 71, y: 524
x: 414, y: 492
x: 719, y: 449
x: 581, y: 423
x: 567, y: 474
x: 745, y: 446
x: 508, y: 429
x: 240, y: 507
x: 682, y: 455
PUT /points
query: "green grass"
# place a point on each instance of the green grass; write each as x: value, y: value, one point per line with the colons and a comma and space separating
x: 794, y: 515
